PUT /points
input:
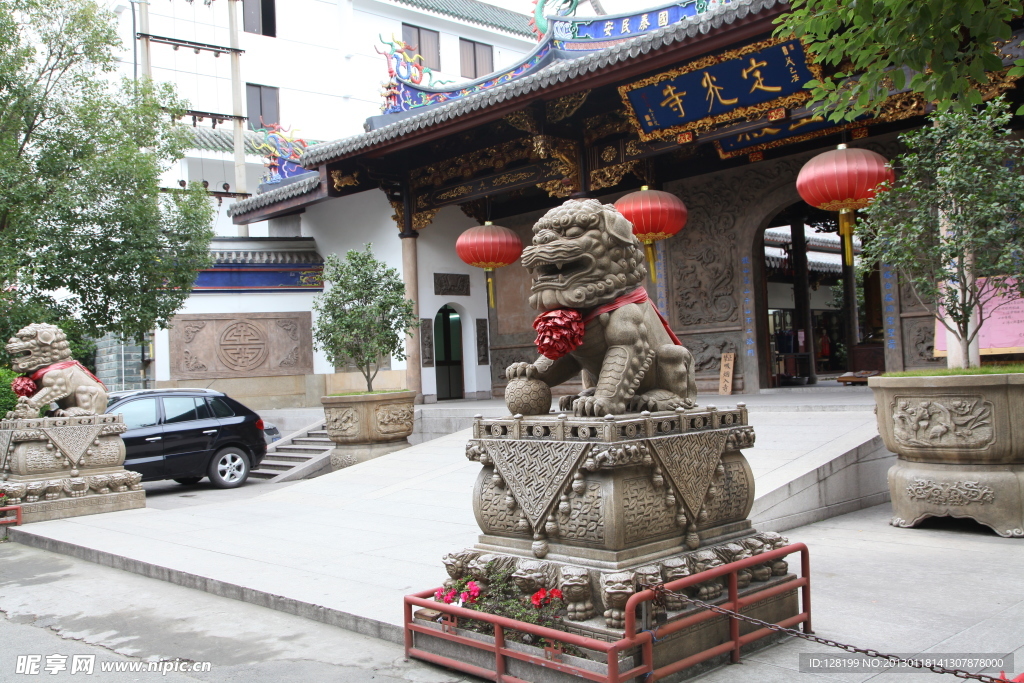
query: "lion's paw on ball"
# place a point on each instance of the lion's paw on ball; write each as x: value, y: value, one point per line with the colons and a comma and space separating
x: 528, y: 397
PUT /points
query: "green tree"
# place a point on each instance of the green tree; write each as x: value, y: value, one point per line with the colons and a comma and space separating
x: 363, y: 316
x: 953, y: 224
x: 949, y: 46
x: 84, y: 229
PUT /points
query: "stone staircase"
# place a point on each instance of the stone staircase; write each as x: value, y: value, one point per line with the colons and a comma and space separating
x: 293, y: 451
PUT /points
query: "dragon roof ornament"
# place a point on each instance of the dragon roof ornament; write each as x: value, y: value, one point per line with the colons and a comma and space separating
x: 561, y: 35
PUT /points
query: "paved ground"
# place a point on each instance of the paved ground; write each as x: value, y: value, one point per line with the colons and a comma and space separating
x: 53, y: 604
x: 952, y: 587
x: 389, y: 521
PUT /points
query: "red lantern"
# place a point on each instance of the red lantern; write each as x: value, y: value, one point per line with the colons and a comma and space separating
x: 843, y: 180
x: 489, y: 246
x: 655, y: 215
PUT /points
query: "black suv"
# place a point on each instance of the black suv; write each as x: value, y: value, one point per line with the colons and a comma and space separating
x: 188, y: 434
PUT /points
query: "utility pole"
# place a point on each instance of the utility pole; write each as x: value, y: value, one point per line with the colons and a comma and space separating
x: 236, y: 106
x: 147, y: 62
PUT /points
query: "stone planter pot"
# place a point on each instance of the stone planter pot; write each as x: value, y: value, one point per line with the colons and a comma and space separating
x: 369, y: 418
x: 960, y: 442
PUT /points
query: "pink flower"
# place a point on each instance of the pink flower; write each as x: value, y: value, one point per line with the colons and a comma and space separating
x: 540, y: 598
x: 474, y: 589
x: 558, y: 332
x: 449, y: 597
x: 556, y: 594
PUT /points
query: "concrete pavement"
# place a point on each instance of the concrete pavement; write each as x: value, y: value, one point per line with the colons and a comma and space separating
x: 54, y: 604
x: 950, y: 587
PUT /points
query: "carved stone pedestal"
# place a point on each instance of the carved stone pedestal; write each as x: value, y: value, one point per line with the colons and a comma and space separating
x: 596, y: 506
x: 960, y: 441
x: 987, y: 494
x: 67, y: 466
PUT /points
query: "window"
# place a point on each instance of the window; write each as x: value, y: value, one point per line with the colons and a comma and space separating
x: 220, y: 408
x: 138, y: 414
x: 261, y: 105
x: 477, y: 58
x: 184, y: 409
x: 424, y: 42
x: 259, y: 16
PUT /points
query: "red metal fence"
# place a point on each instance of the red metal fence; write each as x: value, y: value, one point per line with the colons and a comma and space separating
x: 16, y: 520
x: 643, y: 639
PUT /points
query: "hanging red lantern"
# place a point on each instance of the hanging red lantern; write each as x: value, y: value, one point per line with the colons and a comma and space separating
x: 489, y: 246
x: 843, y: 180
x: 655, y: 215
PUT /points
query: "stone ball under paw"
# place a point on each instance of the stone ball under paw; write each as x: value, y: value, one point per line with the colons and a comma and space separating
x: 528, y: 397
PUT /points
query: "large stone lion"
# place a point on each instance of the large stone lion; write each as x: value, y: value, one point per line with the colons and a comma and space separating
x: 584, y: 256
x: 42, y: 352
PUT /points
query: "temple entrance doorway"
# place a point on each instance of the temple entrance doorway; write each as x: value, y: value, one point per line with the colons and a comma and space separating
x: 807, y: 307
x: 448, y: 354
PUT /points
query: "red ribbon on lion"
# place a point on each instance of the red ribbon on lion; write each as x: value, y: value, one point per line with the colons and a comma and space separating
x: 560, y: 331
x: 26, y: 385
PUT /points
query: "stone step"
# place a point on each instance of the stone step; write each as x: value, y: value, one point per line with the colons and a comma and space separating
x: 276, y: 466
x: 318, y: 433
x: 308, y: 450
x: 303, y: 440
x: 288, y: 457
x: 258, y: 474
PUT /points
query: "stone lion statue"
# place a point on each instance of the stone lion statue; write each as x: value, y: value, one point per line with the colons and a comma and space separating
x: 41, y: 352
x: 588, y: 273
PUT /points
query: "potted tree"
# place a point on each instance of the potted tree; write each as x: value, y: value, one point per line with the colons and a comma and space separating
x: 362, y: 318
x: 951, y: 226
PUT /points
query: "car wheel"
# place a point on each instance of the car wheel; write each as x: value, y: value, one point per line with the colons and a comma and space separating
x: 229, y: 468
x: 189, y: 481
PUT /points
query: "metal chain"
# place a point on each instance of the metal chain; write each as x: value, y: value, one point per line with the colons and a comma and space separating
x: 659, y: 599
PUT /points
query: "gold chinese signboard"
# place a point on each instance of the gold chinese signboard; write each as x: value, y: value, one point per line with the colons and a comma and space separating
x: 738, y: 84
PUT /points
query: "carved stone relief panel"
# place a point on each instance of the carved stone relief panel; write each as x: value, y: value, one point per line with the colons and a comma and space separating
x: 482, y: 343
x: 451, y: 284
x: 246, y: 345
x: 942, y: 422
x: 427, y: 342
x: 707, y: 350
x: 644, y: 511
x: 503, y: 357
x: 919, y: 342
x: 909, y: 301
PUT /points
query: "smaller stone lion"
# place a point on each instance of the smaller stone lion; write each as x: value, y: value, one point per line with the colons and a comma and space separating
x: 42, y: 353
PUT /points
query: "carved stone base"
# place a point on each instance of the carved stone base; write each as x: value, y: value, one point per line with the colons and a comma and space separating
x: 66, y: 467
x: 992, y: 495
x: 42, y: 510
x: 346, y: 455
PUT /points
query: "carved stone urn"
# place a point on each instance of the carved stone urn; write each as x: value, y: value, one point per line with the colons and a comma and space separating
x: 369, y: 418
x: 960, y: 442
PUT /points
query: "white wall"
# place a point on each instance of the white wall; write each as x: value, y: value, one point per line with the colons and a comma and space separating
x: 339, y: 225
x: 436, y: 249
x: 323, y: 58
x: 780, y: 295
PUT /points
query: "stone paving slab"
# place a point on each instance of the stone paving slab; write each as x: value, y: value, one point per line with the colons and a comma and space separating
x: 345, y: 547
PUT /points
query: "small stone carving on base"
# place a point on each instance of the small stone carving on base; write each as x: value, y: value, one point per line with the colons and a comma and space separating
x: 70, y: 462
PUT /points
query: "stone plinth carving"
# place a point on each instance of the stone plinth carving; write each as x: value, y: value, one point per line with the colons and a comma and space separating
x: 69, y: 463
x: 369, y: 418
x: 600, y: 506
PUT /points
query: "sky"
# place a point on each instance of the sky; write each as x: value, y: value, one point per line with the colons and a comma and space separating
x: 610, y: 6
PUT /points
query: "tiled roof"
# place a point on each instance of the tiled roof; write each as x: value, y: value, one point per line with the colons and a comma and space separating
x: 477, y: 13
x: 817, y: 261
x: 223, y: 140
x: 693, y: 27
x: 258, y: 201
x: 240, y: 256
